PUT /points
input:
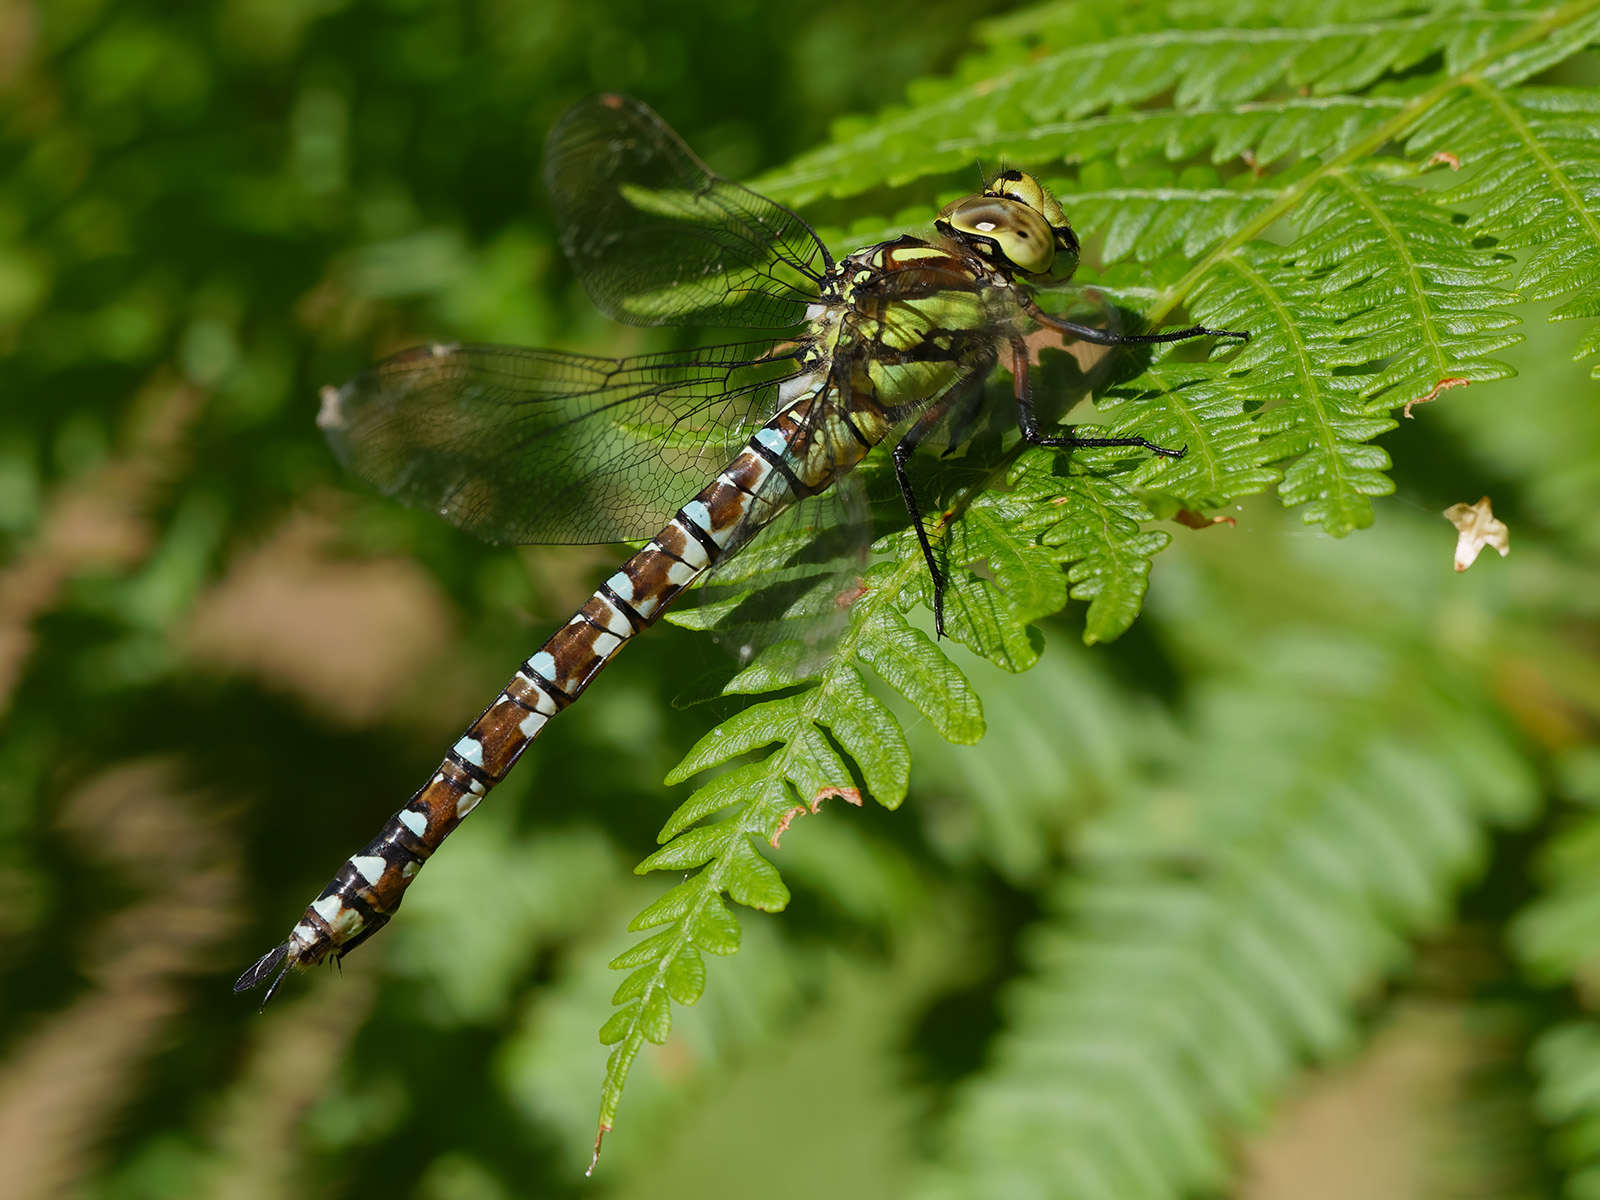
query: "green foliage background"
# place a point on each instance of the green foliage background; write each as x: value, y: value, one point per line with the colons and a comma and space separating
x: 1325, y: 798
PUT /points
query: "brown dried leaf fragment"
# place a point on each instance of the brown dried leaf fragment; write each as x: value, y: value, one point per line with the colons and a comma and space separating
x: 1443, y: 385
x: 1194, y: 520
x: 813, y: 806
x: 848, y: 795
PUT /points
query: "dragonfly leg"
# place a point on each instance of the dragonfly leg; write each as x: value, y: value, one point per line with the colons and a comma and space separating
x: 902, y: 453
x: 1104, y: 337
x: 1028, y: 420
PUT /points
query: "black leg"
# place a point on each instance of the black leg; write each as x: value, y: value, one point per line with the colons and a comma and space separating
x: 1028, y: 421
x: 902, y: 452
x: 1104, y: 337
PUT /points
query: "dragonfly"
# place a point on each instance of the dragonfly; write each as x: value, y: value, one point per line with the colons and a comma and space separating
x: 525, y: 445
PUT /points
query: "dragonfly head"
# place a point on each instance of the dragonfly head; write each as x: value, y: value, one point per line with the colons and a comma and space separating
x: 1015, y: 223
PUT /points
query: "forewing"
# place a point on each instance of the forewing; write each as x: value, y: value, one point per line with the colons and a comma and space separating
x: 657, y: 239
x: 521, y: 445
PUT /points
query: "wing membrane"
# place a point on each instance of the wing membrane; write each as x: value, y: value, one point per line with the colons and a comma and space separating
x: 657, y: 239
x: 519, y: 445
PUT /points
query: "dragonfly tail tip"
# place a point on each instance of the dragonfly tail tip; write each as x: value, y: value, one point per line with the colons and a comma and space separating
x: 263, y: 967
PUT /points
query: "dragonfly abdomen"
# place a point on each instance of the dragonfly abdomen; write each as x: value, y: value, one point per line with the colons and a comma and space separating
x: 767, y: 477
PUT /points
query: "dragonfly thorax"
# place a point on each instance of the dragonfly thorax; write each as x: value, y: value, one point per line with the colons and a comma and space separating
x: 1016, y: 223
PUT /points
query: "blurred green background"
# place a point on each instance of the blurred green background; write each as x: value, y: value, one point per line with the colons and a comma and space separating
x: 222, y: 667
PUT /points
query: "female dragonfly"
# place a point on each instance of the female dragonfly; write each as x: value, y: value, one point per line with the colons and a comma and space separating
x: 520, y: 445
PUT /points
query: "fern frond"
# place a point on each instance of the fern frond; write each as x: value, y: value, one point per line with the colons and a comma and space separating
x: 1093, y: 523
x: 1404, y: 288
x: 1567, y: 1060
x: 1535, y: 178
x: 1383, y: 301
x: 1223, y: 925
x: 1558, y: 938
x: 1192, y: 405
x: 818, y: 734
x: 1253, y: 166
x: 1380, y: 302
x: 1212, y: 72
x: 1276, y: 128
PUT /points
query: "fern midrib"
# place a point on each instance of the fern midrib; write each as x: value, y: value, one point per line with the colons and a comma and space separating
x: 1274, y: 107
x: 1303, y: 364
x: 1173, y: 193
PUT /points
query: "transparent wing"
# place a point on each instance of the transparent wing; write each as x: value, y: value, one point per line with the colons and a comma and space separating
x: 521, y: 445
x: 788, y: 584
x: 657, y: 239
x: 788, y: 592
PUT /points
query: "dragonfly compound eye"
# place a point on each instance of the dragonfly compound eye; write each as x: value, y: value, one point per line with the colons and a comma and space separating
x: 1004, y: 230
x: 1024, y: 188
